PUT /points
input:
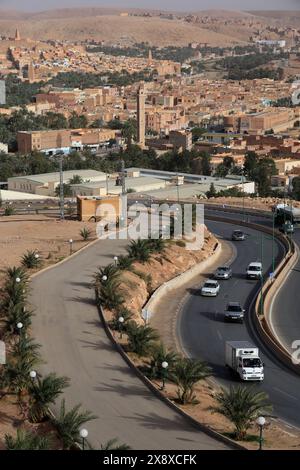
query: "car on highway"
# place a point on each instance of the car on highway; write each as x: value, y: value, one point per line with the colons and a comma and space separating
x: 254, y: 270
x: 234, y: 312
x: 287, y: 228
x: 223, y: 272
x: 238, y: 235
x: 210, y: 288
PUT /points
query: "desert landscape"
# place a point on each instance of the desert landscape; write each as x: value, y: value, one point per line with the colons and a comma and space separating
x: 215, y: 27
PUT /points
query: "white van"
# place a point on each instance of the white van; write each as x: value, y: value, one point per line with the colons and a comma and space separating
x: 254, y: 270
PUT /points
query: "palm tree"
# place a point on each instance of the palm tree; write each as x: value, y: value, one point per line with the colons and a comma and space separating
x: 141, y: 338
x: 27, y: 350
x: 16, y: 314
x: 85, y: 233
x: 110, y: 273
x: 31, y: 259
x: 15, y: 272
x: 241, y: 406
x: 139, y: 250
x: 27, y: 440
x: 186, y: 373
x: 157, y: 245
x: 16, y: 376
x: 13, y: 293
x: 109, y: 297
x: 113, y: 444
x: 68, y: 424
x: 43, y: 392
x: 159, y: 355
x: 121, y: 312
x: 124, y: 263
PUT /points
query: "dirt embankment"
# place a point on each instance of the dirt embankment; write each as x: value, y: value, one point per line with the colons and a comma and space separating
x: 137, y: 285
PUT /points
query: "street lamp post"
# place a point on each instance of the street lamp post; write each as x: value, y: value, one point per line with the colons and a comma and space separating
x: 116, y: 259
x: 32, y: 374
x: 121, y: 323
x: 71, y: 245
x: 104, y: 278
x: 83, y: 434
x: 20, y: 327
x: 164, y: 366
x: 261, y: 421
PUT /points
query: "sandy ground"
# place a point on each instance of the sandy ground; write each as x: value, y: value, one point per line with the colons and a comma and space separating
x: 48, y: 236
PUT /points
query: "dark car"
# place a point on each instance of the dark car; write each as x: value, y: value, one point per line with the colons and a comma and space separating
x: 234, y: 312
x: 238, y: 235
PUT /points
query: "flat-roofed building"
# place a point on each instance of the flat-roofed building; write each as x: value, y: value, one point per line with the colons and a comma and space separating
x: 45, y: 184
x: 66, y: 140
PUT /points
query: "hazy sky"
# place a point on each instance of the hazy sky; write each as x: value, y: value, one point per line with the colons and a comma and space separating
x: 160, y: 4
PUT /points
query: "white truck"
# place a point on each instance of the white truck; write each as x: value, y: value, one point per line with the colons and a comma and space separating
x: 243, y: 358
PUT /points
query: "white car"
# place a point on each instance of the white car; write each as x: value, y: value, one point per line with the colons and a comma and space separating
x: 210, y: 288
x: 254, y: 271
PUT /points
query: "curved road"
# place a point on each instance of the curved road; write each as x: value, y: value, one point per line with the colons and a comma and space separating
x: 203, y: 332
x: 74, y: 344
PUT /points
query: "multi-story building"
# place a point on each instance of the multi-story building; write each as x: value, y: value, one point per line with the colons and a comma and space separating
x: 66, y: 140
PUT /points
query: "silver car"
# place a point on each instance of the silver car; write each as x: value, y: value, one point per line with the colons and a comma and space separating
x: 238, y: 235
x: 210, y: 288
x: 234, y: 312
x: 223, y: 272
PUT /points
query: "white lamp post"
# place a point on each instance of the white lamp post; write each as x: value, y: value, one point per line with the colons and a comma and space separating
x: 121, y: 322
x: 18, y: 280
x: 116, y: 259
x: 32, y: 374
x: 164, y: 366
x: 71, y: 245
x: 261, y: 421
x: 104, y: 278
x: 83, y: 434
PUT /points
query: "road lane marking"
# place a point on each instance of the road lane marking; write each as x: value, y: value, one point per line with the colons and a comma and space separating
x: 219, y: 335
x: 285, y: 393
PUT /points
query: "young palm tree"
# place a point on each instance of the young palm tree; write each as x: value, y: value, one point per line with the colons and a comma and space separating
x: 26, y: 440
x: 121, y: 312
x: 141, y: 338
x: 110, y: 273
x: 16, y: 314
x: 241, y: 406
x: 26, y: 350
x: 109, y: 297
x: 157, y: 245
x: 15, y: 272
x: 124, y: 263
x: 85, y: 233
x: 113, y: 444
x: 186, y: 373
x: 43, y: 392
x: 31, y: 259
x: 16, y: 377
x: 68, y: 424
x: 159, y: 355
x: 13, y: 294
x: 139, y: 250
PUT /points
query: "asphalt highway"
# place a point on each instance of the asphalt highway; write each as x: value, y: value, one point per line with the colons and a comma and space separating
x: 203, y: 332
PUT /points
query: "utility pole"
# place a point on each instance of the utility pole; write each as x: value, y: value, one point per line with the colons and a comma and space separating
x: 61, y: 188
x: 123, y: 177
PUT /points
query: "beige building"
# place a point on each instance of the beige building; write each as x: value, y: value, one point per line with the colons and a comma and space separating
x: 50, y: 141
x: 45, y: 184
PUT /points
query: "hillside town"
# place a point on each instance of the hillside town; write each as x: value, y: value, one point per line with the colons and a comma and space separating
x: 149, y: 232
